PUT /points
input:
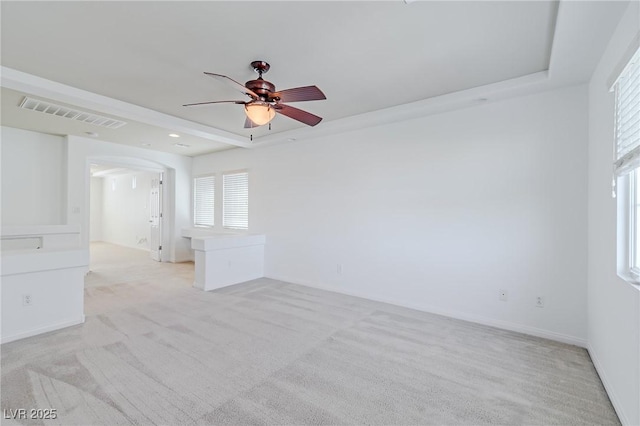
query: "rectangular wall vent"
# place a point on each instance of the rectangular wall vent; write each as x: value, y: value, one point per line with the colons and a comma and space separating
x: 73, y: 114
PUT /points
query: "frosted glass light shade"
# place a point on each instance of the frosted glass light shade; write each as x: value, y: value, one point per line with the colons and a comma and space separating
x: 259, y: 112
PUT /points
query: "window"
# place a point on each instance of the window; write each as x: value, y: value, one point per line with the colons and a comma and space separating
x: 235, y: 200
x: 627, y: 168
x: 204, y: 200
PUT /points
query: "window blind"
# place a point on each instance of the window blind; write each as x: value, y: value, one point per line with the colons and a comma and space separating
x: 203, y: 200
x: 235, y: 200
x: 627, y: 117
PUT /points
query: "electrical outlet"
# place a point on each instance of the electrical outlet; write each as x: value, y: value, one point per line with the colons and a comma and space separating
x: 339, y: 269
x: 27, y: 300
x: 503, y: 295
x: 540, y: 302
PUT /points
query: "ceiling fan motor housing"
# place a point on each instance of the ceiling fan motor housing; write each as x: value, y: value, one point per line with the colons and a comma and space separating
x: 261, y: 87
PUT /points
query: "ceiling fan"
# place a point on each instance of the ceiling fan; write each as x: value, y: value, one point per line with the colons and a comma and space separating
x: 266, y: 101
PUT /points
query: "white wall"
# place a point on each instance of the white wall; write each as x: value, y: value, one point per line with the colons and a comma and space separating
x: 95, y: 209
x: 81, y: 152
x: 32, y: 182
x: 614, y: 305
x: 125, y: 210
x: 437, y: 213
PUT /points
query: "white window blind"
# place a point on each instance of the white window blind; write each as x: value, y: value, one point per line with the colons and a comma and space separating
x: 203, y: 200
x: 235, y: 200
x: 627, y: 127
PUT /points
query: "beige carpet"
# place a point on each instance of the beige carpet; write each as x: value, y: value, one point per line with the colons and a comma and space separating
x: 154, y: 350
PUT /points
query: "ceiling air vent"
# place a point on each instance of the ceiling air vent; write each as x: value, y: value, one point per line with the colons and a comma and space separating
x: 73, y: 114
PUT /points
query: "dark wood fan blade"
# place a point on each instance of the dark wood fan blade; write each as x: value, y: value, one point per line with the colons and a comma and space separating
x: 233, y: 83
x: 298, y: 114
x: 216, y: 102
x: 248, y: 124
x: 299, y: 94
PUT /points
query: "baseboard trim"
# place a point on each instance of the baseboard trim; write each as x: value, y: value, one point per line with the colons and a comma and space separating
x: 504, y: 325
x: 615, y: 401
x: 41, y: 330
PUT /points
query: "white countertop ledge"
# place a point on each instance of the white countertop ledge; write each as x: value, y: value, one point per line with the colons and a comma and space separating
x: 29, y: 261
x: 226, y: 241
x: 29, y: 230
x: 204, y: 232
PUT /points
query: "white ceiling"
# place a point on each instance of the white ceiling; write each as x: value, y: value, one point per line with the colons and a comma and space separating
x: 365, y: 56
x: 133, y: 133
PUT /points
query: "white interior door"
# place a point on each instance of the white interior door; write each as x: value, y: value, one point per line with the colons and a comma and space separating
x: 155, y: 218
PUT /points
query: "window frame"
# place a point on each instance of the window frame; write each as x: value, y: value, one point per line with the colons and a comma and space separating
x: 626, y: 168
x: 634, y: 269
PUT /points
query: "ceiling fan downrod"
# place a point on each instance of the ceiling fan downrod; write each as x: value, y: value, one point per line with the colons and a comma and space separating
x: 259, y: 86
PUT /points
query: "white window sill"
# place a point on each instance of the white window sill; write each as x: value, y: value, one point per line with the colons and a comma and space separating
x: 632, y: 280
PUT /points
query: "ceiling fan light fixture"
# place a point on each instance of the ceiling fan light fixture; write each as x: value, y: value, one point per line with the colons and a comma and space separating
x: 260, y: 113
